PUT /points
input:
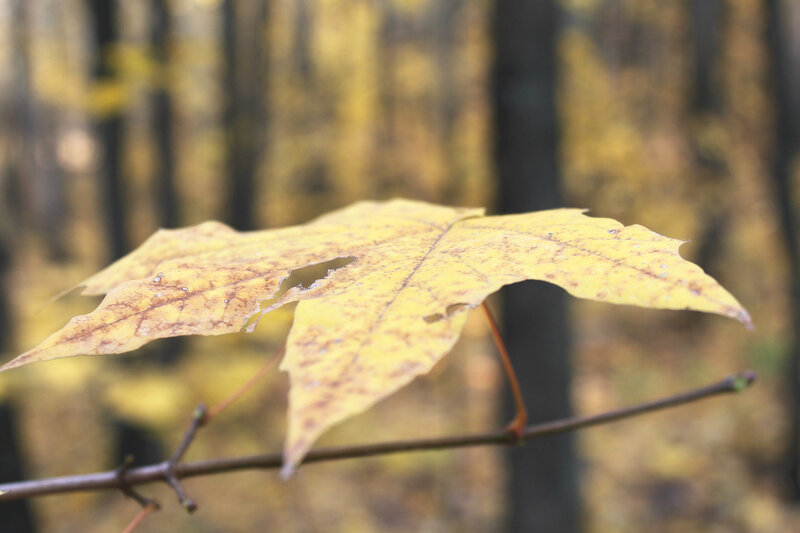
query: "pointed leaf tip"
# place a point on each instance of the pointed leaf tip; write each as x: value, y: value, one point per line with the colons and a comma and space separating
x: 287, y: 471
x: 744, y: 318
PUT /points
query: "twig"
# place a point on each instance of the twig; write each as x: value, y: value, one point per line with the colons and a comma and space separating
x: 201, y: 417
x: 158, y: 472
x: 171, y: 474
x: 126, y: 488
x: 198, y: 419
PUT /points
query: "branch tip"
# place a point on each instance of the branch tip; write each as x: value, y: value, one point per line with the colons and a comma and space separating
x: 200, y: 414
x: 199, y: 418
x: 743, y: 380
x: 189, y: 505
x: 172, y: 479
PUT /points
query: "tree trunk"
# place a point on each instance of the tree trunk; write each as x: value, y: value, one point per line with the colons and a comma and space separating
x: 109, y: 132
x: 168, y: 351
x: 15, y: 516
x: 706, y: 30
x: 705, y: 113
x: 301, y: 41
x: 543, y: 492
x: 784, y: 42
x: 245, y: 59
x: 50, y: 190
x: 169, y: 214
x: 108, y: 129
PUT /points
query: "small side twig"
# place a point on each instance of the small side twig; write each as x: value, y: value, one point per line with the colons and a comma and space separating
x: 171, y: 471
x: 126, y: 487
x: 198, y: 420
x: 202, y: 416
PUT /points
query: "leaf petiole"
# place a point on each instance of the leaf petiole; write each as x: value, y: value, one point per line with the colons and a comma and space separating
x: 517, y: 426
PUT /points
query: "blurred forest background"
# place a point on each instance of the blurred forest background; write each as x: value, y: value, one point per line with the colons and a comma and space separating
x: 121, y: 117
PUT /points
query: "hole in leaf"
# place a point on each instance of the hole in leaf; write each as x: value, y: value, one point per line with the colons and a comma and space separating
x: 449, y: 311
x: 456, y: 308
x: 302, y: 278
x: 306, y: 276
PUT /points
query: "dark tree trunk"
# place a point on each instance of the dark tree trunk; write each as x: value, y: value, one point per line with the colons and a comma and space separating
x: 169, y: 214
x: 784, y: 42
x: 301, y: 40
x: 706, y: 32
x: 21, y: 134
x: 132, y: 440
x: 543, y: 492
x: 53, y: 204
x: 45, y: 201
x: 109, y: 132
x: 706, y: 17
x: 15, y: 516
x: 244, y: 26
x: 167, y: 351
x: 50, y: 190
x: 108, y: 129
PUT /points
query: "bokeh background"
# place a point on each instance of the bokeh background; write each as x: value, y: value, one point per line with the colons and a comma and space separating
x: 122, y: 117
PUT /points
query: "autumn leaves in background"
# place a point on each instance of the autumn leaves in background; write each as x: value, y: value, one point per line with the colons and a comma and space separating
x: 403, y: 274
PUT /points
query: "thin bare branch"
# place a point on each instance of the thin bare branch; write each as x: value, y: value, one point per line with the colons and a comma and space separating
x: 160, y: 471
x: 171, y: 475
x: 198, y: 419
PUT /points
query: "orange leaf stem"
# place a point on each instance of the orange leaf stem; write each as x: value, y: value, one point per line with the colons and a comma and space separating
x: 517, y: 425
x: 146, y: 510
x: 238, y: 393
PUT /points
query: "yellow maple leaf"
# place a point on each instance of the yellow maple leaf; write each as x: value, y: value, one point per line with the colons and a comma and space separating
x: 396, y: 307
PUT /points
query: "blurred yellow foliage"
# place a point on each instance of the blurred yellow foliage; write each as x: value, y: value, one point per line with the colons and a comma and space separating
x: 150, y: 398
